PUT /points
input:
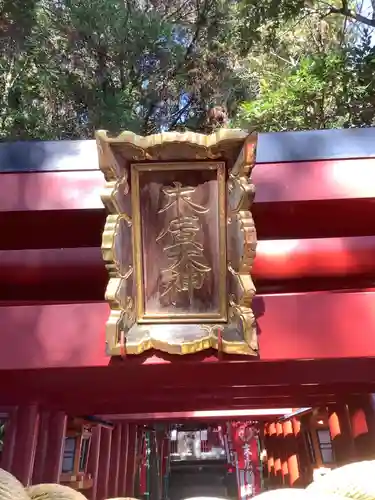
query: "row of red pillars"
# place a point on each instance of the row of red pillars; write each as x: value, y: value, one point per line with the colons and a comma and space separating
x: 352, y: 431
x: 34, y: 446
x: 112, y: 461
x: 281, y: 442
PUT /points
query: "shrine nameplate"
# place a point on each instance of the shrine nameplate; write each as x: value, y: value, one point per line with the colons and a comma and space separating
x: 179, y: 242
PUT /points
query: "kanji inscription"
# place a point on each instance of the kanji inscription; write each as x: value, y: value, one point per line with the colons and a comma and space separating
x: 179, y: 242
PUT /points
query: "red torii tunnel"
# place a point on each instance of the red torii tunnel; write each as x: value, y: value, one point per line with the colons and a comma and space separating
x: 314, y: 272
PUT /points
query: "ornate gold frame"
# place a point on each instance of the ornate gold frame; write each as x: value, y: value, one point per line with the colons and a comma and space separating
x: 141, y: 315
x: 116, y: 155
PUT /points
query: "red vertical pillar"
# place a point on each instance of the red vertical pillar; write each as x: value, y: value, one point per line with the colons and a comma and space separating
x: 362, y: 419
x: 293, y: 472
x: 256, y: 444
x: 305, y: 466
x: 55, y: 447
x: 164, y: 463
x: 161, y: 459
x: 276, y: 454
x: 340, y: 431
x: 104, y: 463
x: 123, y: 460
x: 131, y: 462
x: 114, y: 467
x: 25, y: 443
x: 270, y: 454
x: 93, y: 462
x: 281, y: 446
x: 9, y: 441
x: 41, y: 449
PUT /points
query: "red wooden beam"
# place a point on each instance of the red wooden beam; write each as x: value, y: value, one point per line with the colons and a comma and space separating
x: 253, y: 390
x: 275, y: 182
x: 157, y: 373
x: 197, y: 399
x: 52, y: 229
x: 314, y: 219
x: 135, y: 376
x: 314, y: 180
x: 125, y: 379
x: 116, y: 406
x: 324, y: 257
x: 246, y: 394
x: 201, y: 416
x: 294, y: 200
x: 51, y: 190
x: 109, y: 403
x: 289, y: 328
x: 79, y: 274
x: 289, y: 220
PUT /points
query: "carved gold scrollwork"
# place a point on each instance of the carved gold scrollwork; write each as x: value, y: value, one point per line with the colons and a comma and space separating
x: 235, y: 331
x: 242, y: 247
x: 108, y: 163
x: 114, y: 195
x: 167, y: 146
x: 119, y: 292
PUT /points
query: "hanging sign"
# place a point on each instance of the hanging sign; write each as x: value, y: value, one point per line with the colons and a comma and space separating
x: 179, y: 242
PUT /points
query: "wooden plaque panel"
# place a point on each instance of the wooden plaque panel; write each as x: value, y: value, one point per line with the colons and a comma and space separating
x: 179, y: 242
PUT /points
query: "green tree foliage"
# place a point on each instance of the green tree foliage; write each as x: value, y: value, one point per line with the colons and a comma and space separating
x: 324, y: 91
x: 322, y: 75
x: 145, y: 65
x: 68, y: 67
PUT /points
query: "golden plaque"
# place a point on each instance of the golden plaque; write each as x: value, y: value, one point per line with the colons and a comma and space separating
x: 179, y: 241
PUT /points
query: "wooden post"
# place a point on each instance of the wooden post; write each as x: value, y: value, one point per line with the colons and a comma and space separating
x: 305, y: 467
x: 93, y: 463
x: 25, y: 445
x: 9, y: 441
x: 341, y: 435
x: 104, y: 463
x: 114, y: 466
x: 55, y: 447
x: 165, y: 459
x: 282, y: 453
x: 131, y: 462
x: 123, y: 460
x: 41, y: 448
x: 291, y: 454
x: 160, y: 444
x: 277, y: 454
x: 362, y: 419
x: 268, y: 441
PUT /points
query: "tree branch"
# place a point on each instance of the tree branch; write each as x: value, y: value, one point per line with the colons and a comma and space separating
x: 346, y: 11
x: 146, y: 124
x: 179, y: 114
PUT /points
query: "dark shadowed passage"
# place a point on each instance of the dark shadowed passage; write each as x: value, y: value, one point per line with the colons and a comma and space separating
x: 198, y: 480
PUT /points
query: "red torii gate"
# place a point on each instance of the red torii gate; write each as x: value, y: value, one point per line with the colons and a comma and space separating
x: 313, y: 219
